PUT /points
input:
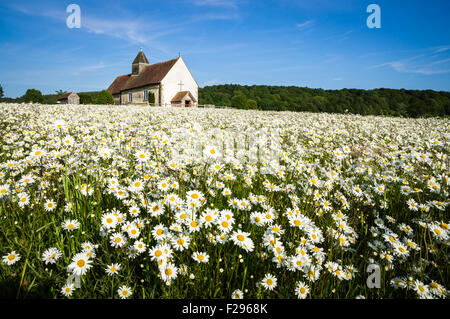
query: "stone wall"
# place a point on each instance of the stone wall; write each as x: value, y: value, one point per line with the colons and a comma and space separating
x: 138, y: 95
x: 73, y: 99
x: 116, y: 99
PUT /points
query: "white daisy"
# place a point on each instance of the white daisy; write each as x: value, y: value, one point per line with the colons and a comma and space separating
x: 269, y: 282
x: 112, y: 269
x: 11, y: 258
x: 301, y: 290
x: 51, y: 255
x: 200, y: 257
x: 80, y: 264
x: 68, y: 289
x: 237, y: 294
x: 70, y: 224
x: 124, y: 292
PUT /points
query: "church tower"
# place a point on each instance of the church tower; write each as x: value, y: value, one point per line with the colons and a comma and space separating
x: 139, y: 63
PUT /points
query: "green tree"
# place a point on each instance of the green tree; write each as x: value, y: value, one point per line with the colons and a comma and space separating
x: 33, y: 96
x: 151, y: 97
x: 239, y: 101
x: 105, y: 97
x: 1, y: 91
x: 389, y: 102
x: 86, y: 98
x: 60, y: 92
x: 252, y: 105
x: 50, y: 98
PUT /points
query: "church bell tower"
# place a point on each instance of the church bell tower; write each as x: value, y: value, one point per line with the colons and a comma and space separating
x: 139, y: 63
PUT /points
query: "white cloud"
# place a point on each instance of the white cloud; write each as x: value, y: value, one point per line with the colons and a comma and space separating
x: 224, y: 10
x: 60, y: 15
x: 403, y: 67
x: 216, y: 3
x: 432, y: 62
x: 131, y: 29
x: 213, y: 16
x: 92, y: 68
x: 305, y: 24
x: 340, y: 37
x: 443, y: 49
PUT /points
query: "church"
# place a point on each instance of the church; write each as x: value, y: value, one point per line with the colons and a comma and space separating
x: 170, y: 83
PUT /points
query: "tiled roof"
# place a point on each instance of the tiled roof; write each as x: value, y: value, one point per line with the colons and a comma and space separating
x: 140, y: 58
x: 179, y: 96
x: 65, y: 95
x: 152, y: 74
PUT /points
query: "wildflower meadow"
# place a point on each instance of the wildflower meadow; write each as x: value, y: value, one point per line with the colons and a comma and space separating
x: 141, y: 202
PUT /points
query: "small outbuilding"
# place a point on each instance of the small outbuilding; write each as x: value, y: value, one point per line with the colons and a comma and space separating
x: 183, y: 99
x: 69, y: 98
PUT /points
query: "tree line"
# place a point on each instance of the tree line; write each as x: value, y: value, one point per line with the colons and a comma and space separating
x: 389, y: 102
x: 36, y: 96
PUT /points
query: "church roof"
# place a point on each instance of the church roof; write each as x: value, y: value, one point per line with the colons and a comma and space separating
x: 152, y: 74
x: 180, y: 95
x: 140, y: 58
x: 65, y: 96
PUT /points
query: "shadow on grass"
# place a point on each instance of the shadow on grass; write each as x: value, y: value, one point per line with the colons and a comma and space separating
x: 9, y: 289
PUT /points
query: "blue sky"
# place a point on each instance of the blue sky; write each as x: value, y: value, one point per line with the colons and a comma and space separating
x: 313, y: 43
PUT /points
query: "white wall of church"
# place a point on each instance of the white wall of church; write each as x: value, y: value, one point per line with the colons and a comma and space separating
x: 170, y: 83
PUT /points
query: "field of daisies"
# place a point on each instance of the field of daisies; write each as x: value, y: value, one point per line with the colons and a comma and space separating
x: 135, y: 202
